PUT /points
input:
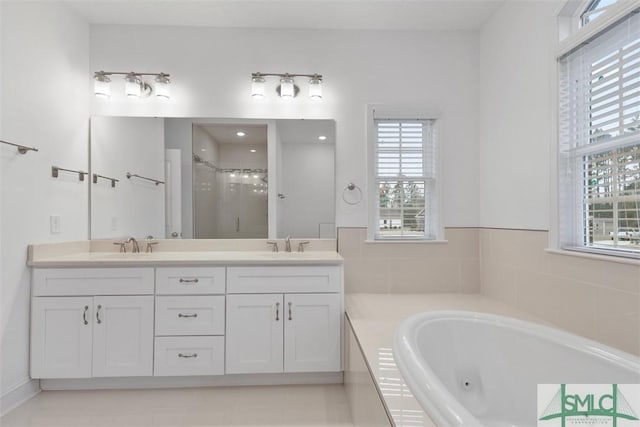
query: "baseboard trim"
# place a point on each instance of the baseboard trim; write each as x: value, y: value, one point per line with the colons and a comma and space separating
x: 18, y: 395
x: 195, y: 381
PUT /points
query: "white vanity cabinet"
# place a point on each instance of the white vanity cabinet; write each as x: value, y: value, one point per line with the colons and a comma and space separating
x: 80, y: 329
x: 190, y: 321
x: 195, y: 322
x: 281, y: 331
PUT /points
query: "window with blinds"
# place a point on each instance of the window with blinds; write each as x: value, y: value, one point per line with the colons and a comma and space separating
x: 405, y: 176
x: 594, y: 10
x: 599, y: 147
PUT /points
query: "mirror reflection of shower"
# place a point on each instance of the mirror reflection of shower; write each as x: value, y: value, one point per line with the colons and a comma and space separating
x: 230, y: 185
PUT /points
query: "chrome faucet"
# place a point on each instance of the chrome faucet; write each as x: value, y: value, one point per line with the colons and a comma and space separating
x: 287, y: 244
x: 134, y: 245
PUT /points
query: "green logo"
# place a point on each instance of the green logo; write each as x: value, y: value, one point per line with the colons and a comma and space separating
x: 565, y: 405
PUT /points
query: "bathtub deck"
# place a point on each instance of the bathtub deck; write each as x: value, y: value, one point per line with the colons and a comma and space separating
x: 374, y: 318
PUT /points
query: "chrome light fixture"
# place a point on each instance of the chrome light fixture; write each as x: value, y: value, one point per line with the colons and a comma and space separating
x: 101, y: 86
x: 257, y: 86
x: 135, y: 86
x: 315, y: 87
x: 287, y: 88
x: 162, y: 86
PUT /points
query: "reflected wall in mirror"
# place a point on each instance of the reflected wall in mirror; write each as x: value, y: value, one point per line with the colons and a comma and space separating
x: 275, y: 180
x: 230, y: 191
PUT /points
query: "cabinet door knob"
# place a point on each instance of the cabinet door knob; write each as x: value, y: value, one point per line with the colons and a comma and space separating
x: 188, y: 280
x: 290, y: 318
x: 98, y: 314
x: 277, y: 311
x: 84, y: 314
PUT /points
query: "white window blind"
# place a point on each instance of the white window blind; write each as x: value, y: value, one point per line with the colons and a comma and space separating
x: 599, y: 151
x: 405, y: 174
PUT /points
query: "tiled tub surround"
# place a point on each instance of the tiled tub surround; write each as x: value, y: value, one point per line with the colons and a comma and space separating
x: 411, y: 267
x: 595, y: 298
x: 371, y: 323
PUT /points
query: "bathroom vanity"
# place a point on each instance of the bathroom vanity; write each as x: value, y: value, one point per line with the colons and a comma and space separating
x: 229, y: 316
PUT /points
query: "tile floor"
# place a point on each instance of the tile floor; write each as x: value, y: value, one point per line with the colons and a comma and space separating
x: 264, y: 406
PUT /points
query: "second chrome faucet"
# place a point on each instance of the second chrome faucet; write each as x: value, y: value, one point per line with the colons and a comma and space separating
x: 287, y: 244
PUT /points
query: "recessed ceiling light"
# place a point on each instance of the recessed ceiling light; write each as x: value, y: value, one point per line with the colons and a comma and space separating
x: 203, y: 149
x: 322, y: 137
x: 245, y: 176
x: 240, y: 133
x: 233, y: 175
x: 256, y: 176
x: 252, y: 150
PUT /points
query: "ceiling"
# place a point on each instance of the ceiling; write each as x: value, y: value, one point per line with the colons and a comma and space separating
x: 226, y: 134
x: 293, y: 14
x: 306, y: 131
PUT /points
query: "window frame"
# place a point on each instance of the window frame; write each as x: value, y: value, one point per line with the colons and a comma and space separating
x: 577, y: 37
x: 409, y: 113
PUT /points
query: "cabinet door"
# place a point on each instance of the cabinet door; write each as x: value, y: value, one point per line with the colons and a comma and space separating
x: 61, y: 330
x: 123, y: 336
x: 254, y: 333
x: 312, y: 333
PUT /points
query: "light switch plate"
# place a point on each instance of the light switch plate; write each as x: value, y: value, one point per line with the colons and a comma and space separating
x: 54, y: 224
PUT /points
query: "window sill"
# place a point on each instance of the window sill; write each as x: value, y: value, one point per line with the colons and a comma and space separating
x: 594, y: 256
x: 402, y: 241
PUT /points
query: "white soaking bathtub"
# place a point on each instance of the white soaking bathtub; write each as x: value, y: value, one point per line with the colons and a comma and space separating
x: 476, y: 369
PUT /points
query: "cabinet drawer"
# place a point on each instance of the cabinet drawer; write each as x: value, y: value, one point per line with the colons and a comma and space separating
x: 298, y: 279
x: 92, y: 281
x: 190, y: 315
x: 189, y: 356
x: 189, y: 281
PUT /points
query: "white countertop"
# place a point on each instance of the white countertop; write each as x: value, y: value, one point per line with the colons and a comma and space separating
x: 374, y: 318
x: 184, y: 258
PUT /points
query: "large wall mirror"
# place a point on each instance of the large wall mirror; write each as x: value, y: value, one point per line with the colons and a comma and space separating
x: 212, y: 178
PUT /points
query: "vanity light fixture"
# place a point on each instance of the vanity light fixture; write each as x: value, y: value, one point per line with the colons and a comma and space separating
x: 287, y: 88
x: 101, y: 86
x: 135, y: 86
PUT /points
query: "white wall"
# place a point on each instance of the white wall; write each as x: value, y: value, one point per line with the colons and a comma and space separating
x: 45, y: 64
x: 211, y: 71
x: 308, y: 188
x: 134, y: 207
x: 517, y: 46
x: 178, y: 135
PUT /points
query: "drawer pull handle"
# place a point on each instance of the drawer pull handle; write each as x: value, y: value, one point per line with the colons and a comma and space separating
x: 186, y: 356
x: 188, y: 280
x: 98, y: 314
x: 84, y: 315
x: 277, y: 312
x: 290, y: 318
x: 187, y: 315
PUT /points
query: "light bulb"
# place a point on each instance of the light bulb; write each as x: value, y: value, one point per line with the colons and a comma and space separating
x: 315, y: 87
x: 162, y: 86
x: 257, y: 86
x: 101, y: 85
x: 287, y: 89
x: 133, y: 86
